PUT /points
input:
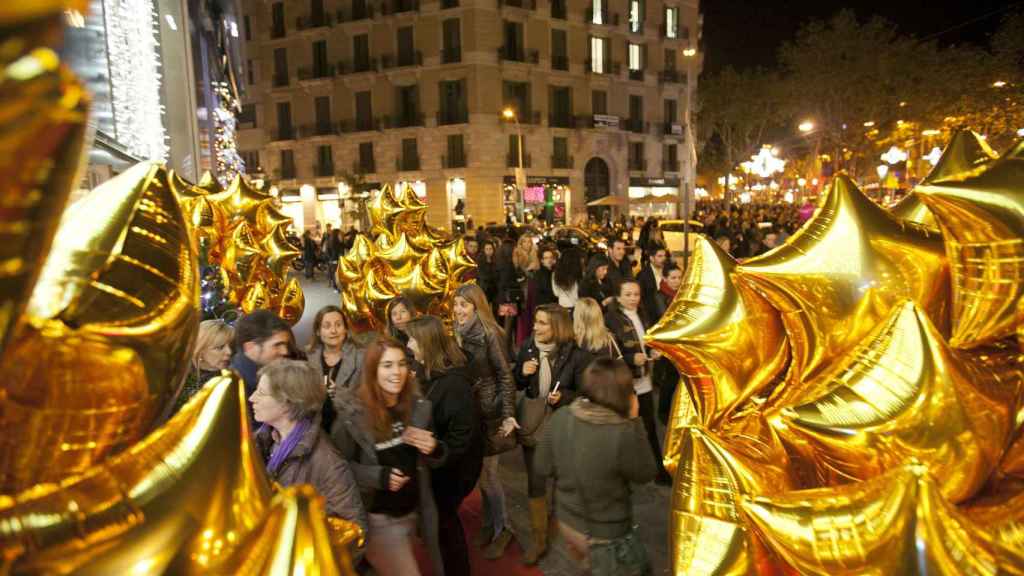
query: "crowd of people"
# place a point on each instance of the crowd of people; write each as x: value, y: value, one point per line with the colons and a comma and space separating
x: 543, y: 356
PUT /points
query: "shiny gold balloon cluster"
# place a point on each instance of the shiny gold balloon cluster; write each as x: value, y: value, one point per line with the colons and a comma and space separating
x: 98, y: 315
x: 241, y: 230
x: 402, y: 256
x: 851, y: 401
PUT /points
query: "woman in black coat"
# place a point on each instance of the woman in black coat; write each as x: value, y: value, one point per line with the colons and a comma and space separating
x: 446, y: 383
x: 596, y: 282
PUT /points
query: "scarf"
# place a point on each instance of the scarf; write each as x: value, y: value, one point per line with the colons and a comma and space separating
x: 544, y: 371
x: 285, y: 447
x: 668, y: 292
x: 472, y: 330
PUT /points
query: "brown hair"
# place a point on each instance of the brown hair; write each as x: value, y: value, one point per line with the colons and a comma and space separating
x: 296, y: 385
x: 475, y: 296
x: 609, y: 383
x: 561, y: 323
x: 372, y: 396
x: 437, y: 347
x: 392, y: 330
x: 315, y: 341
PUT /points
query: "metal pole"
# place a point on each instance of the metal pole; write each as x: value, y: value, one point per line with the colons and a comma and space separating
x: 519, y: 191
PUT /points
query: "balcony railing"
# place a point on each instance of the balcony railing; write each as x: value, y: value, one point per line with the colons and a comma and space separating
x: 362, y: 125
x: 280, y: 80
x: 634, y: 125
x: 359, y: 12
x: 524, y: 4
x: 512, y: 160
x: 670, y: 166
x: 277, y: 32
x: 414, y: 58
x: 561, y: 121
x: 316, y: 73
x: 610, y: 68
x: 398, y: 6
x: 637, y: 164
x: 451, y: 55
x: 562, y: 162
x: 559, y: 62
x: 403, y: 121
x: 323, y: 170
x: 318, y: 21
x: 407, y: 163
x: 518, y: 55
x: 320, y: 129
x: 285, y: 173
x: 447, y: 117
x: 454, y: 160
x: 671, y: 76
x: 367, y: 166
x: 526, y: 117
x: 357, y: 66
x: 286, y: 133
x: 672, y: 129
x: 607, y: 18
x: 636, y: 75
x: 446, y: 4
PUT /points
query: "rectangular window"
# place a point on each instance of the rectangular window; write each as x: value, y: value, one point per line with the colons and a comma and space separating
x: 670, y: 60
x: 599, y: 102
x: 671, y: 158
x: 598, y: 55
x: 559, y: 50
x: 456, y: 157
x: 636, y: 113
x: 636, y: 57
x: 366, y: 165
x: 248, y: 115
x: 250, y: 73
x: 364, y: 111
x: 517, y: 97
x: 408, y: 108
x: 451, y: 38
x: 316, y: 13
x: 636, y: 156
x: 597, y: 14
x: 251, y: 160
x: 513, y: 150
x: 558, y: 9
x: 284, y: 120
x: 360, y: 9
x: 671, y: 22
x: 670, y: 111
x: 247, y: 28
x: 287, y: 164
x: 324, y: 161
x: 453, y: 102
x: 319, y: 58
x: 410, y: 155
x: 561, y: 107
x: 322, y: 107
x: 560, y: 152
x: 280, y: 66
x: 361, y: 52
x: 513, y: 48
x: 277, y: 20
x: 406, y: 49
x: 636, y: 16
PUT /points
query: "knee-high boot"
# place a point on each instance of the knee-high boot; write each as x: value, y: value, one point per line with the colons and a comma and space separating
x: 538, y: 544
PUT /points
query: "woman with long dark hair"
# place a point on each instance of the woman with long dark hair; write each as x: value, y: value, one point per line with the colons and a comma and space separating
x: 381, y: 431
x: 397, y: 313
x: 484, y: 342
x: 597, y: 283
x: 566, y: 277
x: 447, y: 384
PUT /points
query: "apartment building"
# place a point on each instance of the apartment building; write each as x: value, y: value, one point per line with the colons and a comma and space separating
x: 368, y: 92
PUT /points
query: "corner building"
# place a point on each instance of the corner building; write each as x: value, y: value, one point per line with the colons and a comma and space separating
x: 373, y: 92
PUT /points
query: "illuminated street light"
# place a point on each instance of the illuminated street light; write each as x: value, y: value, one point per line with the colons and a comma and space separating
x: 869, y: 124
x: 765, y: 163
x: 1020, y: 132
x: 806, y: 126
x: 802, y: 182
x: 509, y: 114
x: 882, y: 170
x: 689, y: 52
x: 788, y: 197
x: 894, y: 156
x: 998, y: 84
x: 934, y: 156
x: 745, y: 198
x: 931, y: 132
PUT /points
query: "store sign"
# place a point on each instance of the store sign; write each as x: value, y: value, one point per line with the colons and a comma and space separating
x: 541, y: 180
x: 605, y: 121
x: 655, y: 182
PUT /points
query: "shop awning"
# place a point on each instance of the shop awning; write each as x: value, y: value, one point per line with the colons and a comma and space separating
x: 610, y: 200
x: 652, y: 199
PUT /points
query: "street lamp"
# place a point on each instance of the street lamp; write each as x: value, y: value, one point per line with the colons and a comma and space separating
x: 806, y: 126
x: 510, y: 114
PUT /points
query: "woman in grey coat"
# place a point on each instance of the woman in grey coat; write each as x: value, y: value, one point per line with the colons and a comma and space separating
x: 335, y: 356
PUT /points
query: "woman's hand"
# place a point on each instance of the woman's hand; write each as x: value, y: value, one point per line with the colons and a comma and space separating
x: 639, y: 359
x: 530, y: 367
x: 607, y: 300
x: 422, y: 440
x: 509, y: 425
x: 554, y: 398
x: 655, y: 354
x: 397, y: 480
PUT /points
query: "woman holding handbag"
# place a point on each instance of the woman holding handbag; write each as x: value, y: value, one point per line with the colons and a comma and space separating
x: 548, y: 369
x: 595, y: 449
x: 484, y: 342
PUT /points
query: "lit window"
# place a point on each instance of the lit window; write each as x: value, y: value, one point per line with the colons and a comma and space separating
x: 597, y: 49
x: 597, y: 7
x: 635, y: 57
x: 671, y: 22
x: 634, y: 16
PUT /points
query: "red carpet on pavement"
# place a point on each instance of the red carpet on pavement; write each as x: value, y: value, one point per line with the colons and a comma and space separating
x: 510, y: 564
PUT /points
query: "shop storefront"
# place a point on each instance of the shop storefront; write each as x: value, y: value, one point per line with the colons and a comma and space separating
x: 545, y: 198
x: 455, y: 188
x: 657, y: 197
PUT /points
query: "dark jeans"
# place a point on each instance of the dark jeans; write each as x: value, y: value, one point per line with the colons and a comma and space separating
x: 646, y: 402
x: 332, y: 268
x: 310, y: 268
x: 536, y: 485
x: 452, y: 540
x: 666, y: 377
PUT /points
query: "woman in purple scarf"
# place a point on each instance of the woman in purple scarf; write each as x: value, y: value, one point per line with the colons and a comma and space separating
x: 296, y: 450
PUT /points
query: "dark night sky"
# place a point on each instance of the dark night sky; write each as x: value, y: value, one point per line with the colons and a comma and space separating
x: 744, y: 33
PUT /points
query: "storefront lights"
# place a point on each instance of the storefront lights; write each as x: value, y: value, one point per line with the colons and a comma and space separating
x: 894, y: 156
x: 788, y: 197
x: 744, y: 197
x: 934, y: 156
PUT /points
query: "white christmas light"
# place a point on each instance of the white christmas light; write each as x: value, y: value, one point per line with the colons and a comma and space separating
x: 135, y: 77
x: 934, y: 155
x: 894, y: 155
x: 765, y: 163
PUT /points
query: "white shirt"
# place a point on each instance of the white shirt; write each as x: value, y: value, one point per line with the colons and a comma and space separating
x: 566, y: 298
x: 641, y: 385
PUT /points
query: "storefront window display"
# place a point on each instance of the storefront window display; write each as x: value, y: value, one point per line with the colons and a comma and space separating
x: 657, y: 197
x: 544, y: 198
x: 457, y: 203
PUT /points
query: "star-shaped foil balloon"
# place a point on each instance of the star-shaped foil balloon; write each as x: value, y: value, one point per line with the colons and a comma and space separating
x: 820, y: 278
x: 405, y: 257
x: 981, y: 214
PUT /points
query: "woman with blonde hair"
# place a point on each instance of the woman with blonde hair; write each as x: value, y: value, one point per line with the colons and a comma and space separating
x: 211, y: 355
x: 524, y: 256
x: 592, y: 336
x: 484, y: 342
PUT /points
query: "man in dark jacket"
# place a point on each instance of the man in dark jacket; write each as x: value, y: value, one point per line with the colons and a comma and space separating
x: 621, y: 266
x: 260, y: 338
x: 650, y: 280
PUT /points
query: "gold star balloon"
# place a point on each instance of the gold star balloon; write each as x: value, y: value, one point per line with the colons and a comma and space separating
x: 726, y: 340
x: 981, y: 214
x: 902, y: 394
x: 42, y: 126
x: 820, y: 278
x: 898, y: 523
x: 682, y: 416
